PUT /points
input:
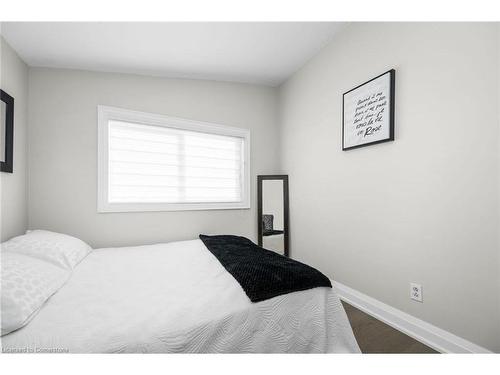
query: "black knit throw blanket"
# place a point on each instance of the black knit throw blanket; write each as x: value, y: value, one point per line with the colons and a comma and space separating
x: 262, y: 274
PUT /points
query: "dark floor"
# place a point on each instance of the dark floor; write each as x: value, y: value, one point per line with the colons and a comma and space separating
x: 373, y: 336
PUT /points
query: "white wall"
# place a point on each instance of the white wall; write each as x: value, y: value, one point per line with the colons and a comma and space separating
x: 14, y: 186
x: 423, y: 208
x: 63, y: 151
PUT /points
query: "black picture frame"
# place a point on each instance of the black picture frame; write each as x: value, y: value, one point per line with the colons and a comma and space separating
x: 6, y: 165
x: 392, y: 90
x: 286, y: 210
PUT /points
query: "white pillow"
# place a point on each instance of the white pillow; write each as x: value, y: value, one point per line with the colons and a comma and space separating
x: 59, y: 249
x: 27, y: 283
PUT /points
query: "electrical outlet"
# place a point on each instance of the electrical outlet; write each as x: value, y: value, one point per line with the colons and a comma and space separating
x: 416, y: 292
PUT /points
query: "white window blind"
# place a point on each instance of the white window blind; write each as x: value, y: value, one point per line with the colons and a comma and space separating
x: 159, y: 163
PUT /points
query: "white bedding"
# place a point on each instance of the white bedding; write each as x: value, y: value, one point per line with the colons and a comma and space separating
x: 177, y: 297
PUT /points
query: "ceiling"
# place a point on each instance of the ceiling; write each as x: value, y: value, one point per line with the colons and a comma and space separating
x: 258, y: 52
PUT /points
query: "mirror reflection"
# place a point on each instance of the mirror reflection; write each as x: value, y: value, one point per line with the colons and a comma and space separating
x: 273, y: 212
x: 272, y: 216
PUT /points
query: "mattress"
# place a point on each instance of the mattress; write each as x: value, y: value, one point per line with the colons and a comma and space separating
x: 177, y: 297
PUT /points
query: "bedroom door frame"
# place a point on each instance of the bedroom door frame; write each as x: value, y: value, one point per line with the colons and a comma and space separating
x: 286, y: 209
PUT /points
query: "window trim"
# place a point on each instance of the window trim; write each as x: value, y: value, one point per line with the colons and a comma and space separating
x: 106, y: 113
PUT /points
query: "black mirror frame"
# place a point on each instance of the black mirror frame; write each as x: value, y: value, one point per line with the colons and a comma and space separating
x: 7, y: 164
x: 286, y: 209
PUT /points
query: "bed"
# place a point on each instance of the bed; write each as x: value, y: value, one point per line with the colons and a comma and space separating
x: 177, y: 298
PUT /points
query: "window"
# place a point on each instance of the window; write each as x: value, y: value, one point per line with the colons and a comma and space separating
x: 149, y: 162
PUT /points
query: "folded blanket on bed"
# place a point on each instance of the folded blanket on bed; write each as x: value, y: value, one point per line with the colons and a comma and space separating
x: 262, y: 274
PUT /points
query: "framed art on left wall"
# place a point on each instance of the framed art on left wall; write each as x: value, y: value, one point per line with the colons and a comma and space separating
x: 368, y: 112
x: 6, y: 132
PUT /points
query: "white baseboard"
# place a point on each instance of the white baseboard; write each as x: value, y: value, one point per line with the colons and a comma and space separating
x: 436, y: 338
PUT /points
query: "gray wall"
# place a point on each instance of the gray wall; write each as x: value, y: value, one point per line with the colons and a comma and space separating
x: 14, y: 187
x: 63, y: 151
x: 421, y: 209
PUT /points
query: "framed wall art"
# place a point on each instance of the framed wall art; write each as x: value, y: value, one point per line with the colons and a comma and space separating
x: 368, y: 112
x: 6, y: 132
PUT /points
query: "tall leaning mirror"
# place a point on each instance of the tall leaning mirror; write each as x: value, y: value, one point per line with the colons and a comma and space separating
x: 273, y: 212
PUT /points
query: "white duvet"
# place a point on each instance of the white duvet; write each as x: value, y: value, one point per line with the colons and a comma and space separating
x: 177, y: 297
